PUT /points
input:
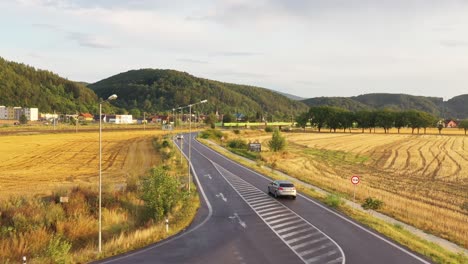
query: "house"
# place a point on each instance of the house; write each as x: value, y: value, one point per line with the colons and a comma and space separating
x: 32, y: 114
x: 118, y: 119
x: 160, y: 119
x: 450, y: 123
x: 86, y: 117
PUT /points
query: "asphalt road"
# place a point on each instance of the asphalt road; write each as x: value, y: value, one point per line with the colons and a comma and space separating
x: 239, y: 222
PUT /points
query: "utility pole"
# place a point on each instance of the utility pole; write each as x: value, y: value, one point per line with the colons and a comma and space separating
x: 144, y: 120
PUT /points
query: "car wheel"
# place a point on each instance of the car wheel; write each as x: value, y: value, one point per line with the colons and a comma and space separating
x: 294, y: 197
x: 269, y: 192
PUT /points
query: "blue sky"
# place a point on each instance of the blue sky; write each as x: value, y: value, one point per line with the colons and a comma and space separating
x: 306, y: 48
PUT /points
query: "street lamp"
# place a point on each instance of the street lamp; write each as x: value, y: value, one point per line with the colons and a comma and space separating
x: 112, y: 97
x: 190, y: 137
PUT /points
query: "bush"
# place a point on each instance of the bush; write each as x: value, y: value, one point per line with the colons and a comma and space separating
x: 212, y: 133
x: 371, y: 203
x: 236, y: 131
x: 160, y: 192
x: 237, y: 144
x: 333, y: 200
x: 277, y: 142
x: 58, y: 249
x: 268, y: 129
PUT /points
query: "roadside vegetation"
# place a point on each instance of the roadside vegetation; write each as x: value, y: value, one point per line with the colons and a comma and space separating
x: 62, y: 227
x: 328, y: 160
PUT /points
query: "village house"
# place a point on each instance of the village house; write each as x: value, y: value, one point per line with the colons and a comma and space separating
x: 14, y: 113
x: 450, y: 123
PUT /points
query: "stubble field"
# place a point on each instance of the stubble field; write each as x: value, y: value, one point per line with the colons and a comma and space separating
x: 44, y: 163
x: 422, y: 179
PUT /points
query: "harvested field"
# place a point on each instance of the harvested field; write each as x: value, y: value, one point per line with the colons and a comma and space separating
x: 422, y: 179
x: 41, y: 164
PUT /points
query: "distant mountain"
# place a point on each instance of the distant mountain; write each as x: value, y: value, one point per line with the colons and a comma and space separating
x: 456, y: 107
x: 154, y: 90
x: 23, y: 85
x: 291, y: 96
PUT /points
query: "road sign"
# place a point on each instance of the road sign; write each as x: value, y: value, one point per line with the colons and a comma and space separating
x: 355, y: 179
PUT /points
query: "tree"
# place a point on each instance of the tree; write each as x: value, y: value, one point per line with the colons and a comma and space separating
x: 319, y: 115
x: 23, y: 120
x: 211, y: 119
x: 277, y: 142
x: 385, y: 119
x: 302, y: 120
x: 401, y: 120
x: 347, y: 120
x: 160, y: 192
x: 227, y: 118
x: 363, y: 119
x: 135, y: 112
x: 464, y: 124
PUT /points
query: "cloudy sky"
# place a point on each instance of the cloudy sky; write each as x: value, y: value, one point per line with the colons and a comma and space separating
x: 307, y: 48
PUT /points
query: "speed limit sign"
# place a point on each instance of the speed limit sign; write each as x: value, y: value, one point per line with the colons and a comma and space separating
x: 355, y: 179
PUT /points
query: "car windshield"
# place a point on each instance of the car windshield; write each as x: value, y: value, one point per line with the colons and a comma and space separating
x: 286, y: 185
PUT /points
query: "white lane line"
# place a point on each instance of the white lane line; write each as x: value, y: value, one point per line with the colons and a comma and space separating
x: 309, y: 242
x: 254, y: 195
x: 378, y: 236
x: 272, y: 212
x: 276, y: 216
x: 315, y: 259
x: 297, y: 239
x: 291, y: 228
x: 300, y: 231
x: 266, y: 206
x: 310, y: 251
x: 260, y: 199
x: 287, y: 223
x: 248, y: 191
x: 283, y: 219
x: 269, y: 209
x: 338, y: 260
x: 256, y: 204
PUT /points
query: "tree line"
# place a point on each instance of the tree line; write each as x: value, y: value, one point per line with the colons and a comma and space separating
x: 335, y: 118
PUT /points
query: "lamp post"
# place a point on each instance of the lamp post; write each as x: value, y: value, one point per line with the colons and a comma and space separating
x: 190, y: 138
x: 112, y: 97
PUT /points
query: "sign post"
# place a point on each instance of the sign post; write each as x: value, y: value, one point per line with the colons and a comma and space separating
x: 355, y: 181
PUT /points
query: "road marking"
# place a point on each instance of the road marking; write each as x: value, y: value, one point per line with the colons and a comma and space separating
x: 276, y: 216
x: 272, y: 212
x: 208, y: 175
x: 307, y: 252
x: 242, y: 223
x: 378, y: 236
x: 309, y: 242
x: 315, y: 259
x: 287, y: 223
x: 338, y: 260
x: 297, y: 239
x: 221, y: 195
x: 278, y: 224
x: 298, y: 232
x: 282, y: 219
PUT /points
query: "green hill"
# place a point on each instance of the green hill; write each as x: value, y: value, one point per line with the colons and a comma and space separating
x: 22, y: 85
x: 456, y: 107
x: 153, y: 90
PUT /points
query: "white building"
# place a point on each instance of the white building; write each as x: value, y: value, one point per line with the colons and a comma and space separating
x: 123, y: 119
x: 32, y: 114
x: 3, y: 112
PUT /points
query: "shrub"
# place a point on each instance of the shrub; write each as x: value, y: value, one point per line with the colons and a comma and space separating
x: 236, y: 131
x: 333, y: 200
x: 237, y: 144
x: 277, y: 142
x: 212, y: 133
x: 160, y: 192
x: 371, y: 203
x: 268, y: 129
x: 58, y: 249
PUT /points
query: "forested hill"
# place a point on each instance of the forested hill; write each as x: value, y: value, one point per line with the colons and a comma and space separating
x: 22, y: 85
x: 154, y: 90
x: 453, y: 108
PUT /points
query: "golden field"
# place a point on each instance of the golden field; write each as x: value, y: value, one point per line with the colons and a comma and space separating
x: 41, y: 163
x: 422, y: 179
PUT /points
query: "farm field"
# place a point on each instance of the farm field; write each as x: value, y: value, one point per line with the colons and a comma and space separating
x: 422, y: 179
x: 43, y: 163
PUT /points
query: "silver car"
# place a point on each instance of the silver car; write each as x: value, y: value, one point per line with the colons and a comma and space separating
x: 282, y: 188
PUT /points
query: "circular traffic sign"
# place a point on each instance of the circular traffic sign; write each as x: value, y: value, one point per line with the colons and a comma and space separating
x: 355, y: 179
